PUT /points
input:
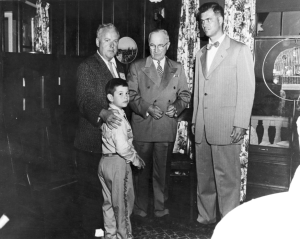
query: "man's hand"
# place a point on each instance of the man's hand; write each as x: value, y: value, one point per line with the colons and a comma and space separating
x: 237, y: 134
x: 171, y: 111
x: 110, y: 118
x: 141, y: 164
x: 193, y: 129
x: 155, y: 112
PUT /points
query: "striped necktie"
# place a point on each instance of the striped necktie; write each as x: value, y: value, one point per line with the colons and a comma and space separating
x: 111, y: 69
x: 159, y: 69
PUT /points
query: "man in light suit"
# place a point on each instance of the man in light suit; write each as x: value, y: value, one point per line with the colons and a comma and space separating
x: 93, y: 74
x: 158, y: 94
x: 223, y: 99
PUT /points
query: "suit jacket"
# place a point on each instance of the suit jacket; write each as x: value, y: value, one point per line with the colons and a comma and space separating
x: 92, y: 76
x: 146, y: 88
x: 223, y: 96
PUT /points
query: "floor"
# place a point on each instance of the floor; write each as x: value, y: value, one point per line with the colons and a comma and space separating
x: 55, y: 215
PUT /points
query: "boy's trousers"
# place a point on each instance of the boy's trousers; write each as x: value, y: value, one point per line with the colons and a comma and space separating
x: 117, y: 188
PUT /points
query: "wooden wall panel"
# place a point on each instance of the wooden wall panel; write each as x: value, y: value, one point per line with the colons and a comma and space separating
x: 277, y: 5
x: 171, y: 24
x: 41, y: 134
x: 121, y: 11
x: 72, y: 14
x: 58, y: 27
x: 135, y: 16
x: 108, y: 11
x: 90, y: 18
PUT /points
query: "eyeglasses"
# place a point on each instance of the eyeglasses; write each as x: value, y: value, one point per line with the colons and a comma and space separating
x: 159, y: 47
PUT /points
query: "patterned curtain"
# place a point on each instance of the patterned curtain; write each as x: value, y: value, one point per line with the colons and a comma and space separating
x: 188, y: 45
x: 239, y: 24
x: 189, y: 38
x: 41, y: 36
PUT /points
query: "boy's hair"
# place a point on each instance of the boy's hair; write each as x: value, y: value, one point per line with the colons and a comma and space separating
x: 111, y: 85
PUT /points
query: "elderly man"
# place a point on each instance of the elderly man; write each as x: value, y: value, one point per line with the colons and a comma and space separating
x: 158, y: 94
x: 93, y: 74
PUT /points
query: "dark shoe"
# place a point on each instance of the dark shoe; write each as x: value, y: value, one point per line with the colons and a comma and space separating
x: 203, y: 225
x: 164, y: 219
x: 137, y: 219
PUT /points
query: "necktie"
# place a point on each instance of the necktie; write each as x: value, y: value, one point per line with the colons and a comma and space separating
x: 159, y: 69
x: 209, y: 46
x: 111, y: 69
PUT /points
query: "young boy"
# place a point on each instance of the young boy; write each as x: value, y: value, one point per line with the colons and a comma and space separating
x: 114, y: 168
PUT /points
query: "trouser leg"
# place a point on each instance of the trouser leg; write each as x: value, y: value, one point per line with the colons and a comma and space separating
x: 142, y: 177
x: 116, y: 178
x: 90, y: 196
x: 206, y: 189
x: 228, y: 176
x: 161, y: 174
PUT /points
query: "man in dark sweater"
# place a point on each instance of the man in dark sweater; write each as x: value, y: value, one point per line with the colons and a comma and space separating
x: 93, y: 74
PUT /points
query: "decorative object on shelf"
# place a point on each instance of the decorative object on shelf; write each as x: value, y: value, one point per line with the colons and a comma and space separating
x: 40, y: 28
x: 159, y: 14
x: 286, y: 68
x: 127, y: 50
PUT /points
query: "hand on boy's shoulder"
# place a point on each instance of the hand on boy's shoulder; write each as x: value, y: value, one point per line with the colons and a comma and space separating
x: 110, y: 117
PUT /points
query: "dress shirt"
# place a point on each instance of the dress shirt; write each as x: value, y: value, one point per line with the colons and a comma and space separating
x: 119, y: 140
x: 114, y: 64
x: 212, y: 52
x: 162, y: 63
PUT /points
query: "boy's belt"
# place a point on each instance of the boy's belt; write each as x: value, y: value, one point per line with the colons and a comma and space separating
x: 109, y: 155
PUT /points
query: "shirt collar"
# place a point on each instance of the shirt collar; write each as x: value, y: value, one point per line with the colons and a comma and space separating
x: 113, y: 60
x: 162, y: 61
x: 112, y: 106
x: 220, y: 40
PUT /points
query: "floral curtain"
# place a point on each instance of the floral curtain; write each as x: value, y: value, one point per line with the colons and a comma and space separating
x: 189, y: 38
x: 188, y: 45
x: 41, y: 38
x: 239, y: 24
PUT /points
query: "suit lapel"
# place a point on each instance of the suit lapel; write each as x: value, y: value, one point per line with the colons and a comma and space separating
x: 203, y: 61
x: 220, y: 55
x: 169, y: 72
x: 151, y: 72
x: 103, y: 67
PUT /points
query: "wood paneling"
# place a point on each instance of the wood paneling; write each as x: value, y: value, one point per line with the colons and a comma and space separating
x: 39, y: 127
x: 72, y: 28
x: 277, y: 5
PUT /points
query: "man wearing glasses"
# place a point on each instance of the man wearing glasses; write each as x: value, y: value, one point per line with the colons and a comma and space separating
x: 158, y: 94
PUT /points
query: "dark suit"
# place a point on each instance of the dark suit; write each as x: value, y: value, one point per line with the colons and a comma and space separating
x: 93, y: 74
x: 154, y: 139
x: 223, y: 98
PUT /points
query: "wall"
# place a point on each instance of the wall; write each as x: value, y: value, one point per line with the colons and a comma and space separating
x: 75, y: 22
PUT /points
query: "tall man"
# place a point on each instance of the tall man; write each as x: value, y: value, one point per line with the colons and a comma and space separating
x: 223, y: 99
x: 158, y: 94
x: 93, y: 74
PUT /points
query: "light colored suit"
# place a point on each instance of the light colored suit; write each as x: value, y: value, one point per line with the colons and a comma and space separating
x: 223, y: 98
x: 154, y: 139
